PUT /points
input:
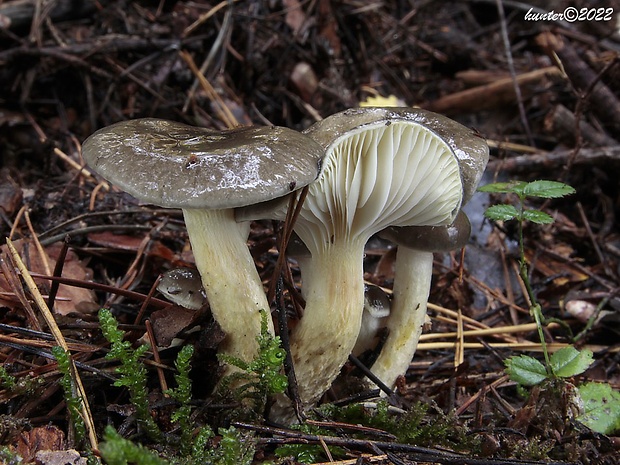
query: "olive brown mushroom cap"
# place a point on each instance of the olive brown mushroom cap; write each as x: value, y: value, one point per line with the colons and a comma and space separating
x: 172, y: 164
x: 431, y: 238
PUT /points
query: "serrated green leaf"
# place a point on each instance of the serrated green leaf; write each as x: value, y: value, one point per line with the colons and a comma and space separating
x: 569, y: 361
x: 601, y: 408
x: 501, y: 212
x: 547, y: 189
x: 525, y: 370
x: 538, y: 217
x: 502, y: 187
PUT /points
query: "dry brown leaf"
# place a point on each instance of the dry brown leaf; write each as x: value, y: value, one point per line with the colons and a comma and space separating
x: 47, y: 437
x: 129, y: 243
x: 169, y: 322
x: 69, y: 299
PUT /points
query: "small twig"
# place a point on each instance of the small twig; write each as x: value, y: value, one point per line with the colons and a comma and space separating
x: 481, y: 393
x: 497, y: 331
x: 103, y: 288
x: 224, y: 113
x: 289, y: 367
x: 60, y: 263
x: 160, y: 373
x: 415, y: 453
x: 513, y: 74
x: 597, y: 249
x: 217, y: 43
x: 393, y: 397
x: 584, y: 97
x: 292, y: 213
x: 14, y: 284
x: 459, y: 353
x: 42, y: 254
x: 76, y: 166
x: 146, y: 301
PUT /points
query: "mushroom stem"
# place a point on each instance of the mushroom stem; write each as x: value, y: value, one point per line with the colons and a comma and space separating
x: 229, y: 278
x: 326, y: 334
x: 412, y: 283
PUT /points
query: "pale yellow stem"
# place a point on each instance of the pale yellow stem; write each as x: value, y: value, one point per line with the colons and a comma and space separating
x: 412, y: 282
x: 229, y: 277
x: 324, y: 337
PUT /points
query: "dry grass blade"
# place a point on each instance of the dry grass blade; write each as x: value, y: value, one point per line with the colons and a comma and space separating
x: 223, y: 111
x: 60, y: 340
x: 523, y: 346
x: 500, y: 331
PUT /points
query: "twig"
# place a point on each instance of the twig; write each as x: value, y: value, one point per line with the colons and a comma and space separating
x: 489, y: 95
x: 224, y: 112
x: 160, y: 373
x: 289, y: 367
x: 415, y: 453
x: 513, y: 74
x: 60, y: 262
x: 217, y: 43
x: 60, y: 340
x: 499, y: 331
x: 553, y: 160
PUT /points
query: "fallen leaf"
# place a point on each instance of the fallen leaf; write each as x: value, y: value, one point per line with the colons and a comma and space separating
x: 47, y: 437
x: 69, y: 299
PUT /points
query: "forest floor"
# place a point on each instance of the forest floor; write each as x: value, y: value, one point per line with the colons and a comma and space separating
x: 544, y: 92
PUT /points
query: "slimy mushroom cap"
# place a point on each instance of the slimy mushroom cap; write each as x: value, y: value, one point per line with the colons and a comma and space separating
x: 176, y: 165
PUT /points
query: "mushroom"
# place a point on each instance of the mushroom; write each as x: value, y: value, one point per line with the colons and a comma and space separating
x: 412, y: 283
x: 377, y: 308
x: 183, y: 287
x: 383, y: 167
x: 414, y: 260
x: 207, y: 174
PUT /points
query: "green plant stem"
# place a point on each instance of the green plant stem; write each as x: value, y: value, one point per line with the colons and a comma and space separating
x: 535, y: 309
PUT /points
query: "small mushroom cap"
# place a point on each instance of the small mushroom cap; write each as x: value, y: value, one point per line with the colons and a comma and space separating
x: 470, y: 149
x: 176, y: 165
x: 183, y: 287
x: 376, y: 301
x: 431, y: 238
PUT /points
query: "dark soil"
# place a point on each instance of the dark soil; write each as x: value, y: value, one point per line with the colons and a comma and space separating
x: 70, y: 68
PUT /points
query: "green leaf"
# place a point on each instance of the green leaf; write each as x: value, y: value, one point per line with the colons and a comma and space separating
x: 501, y: 212
x: 503, y: 187
x: 569, y: 361
x: 538, y: 217
x: 601, y: 408
x: 547, y: 189
x: 525, y: 370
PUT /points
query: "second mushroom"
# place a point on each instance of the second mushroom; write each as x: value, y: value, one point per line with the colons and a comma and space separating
x: 383, y: 167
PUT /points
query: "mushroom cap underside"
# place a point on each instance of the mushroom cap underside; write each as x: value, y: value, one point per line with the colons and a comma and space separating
x: 379, y: 174
x: 177, y: 165
x: 470, y: 149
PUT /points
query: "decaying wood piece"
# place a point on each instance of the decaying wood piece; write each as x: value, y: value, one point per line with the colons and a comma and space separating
x: 556, y: 160
x: 560, y: 122
x: 603, y: 101
x: 490, y: 95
